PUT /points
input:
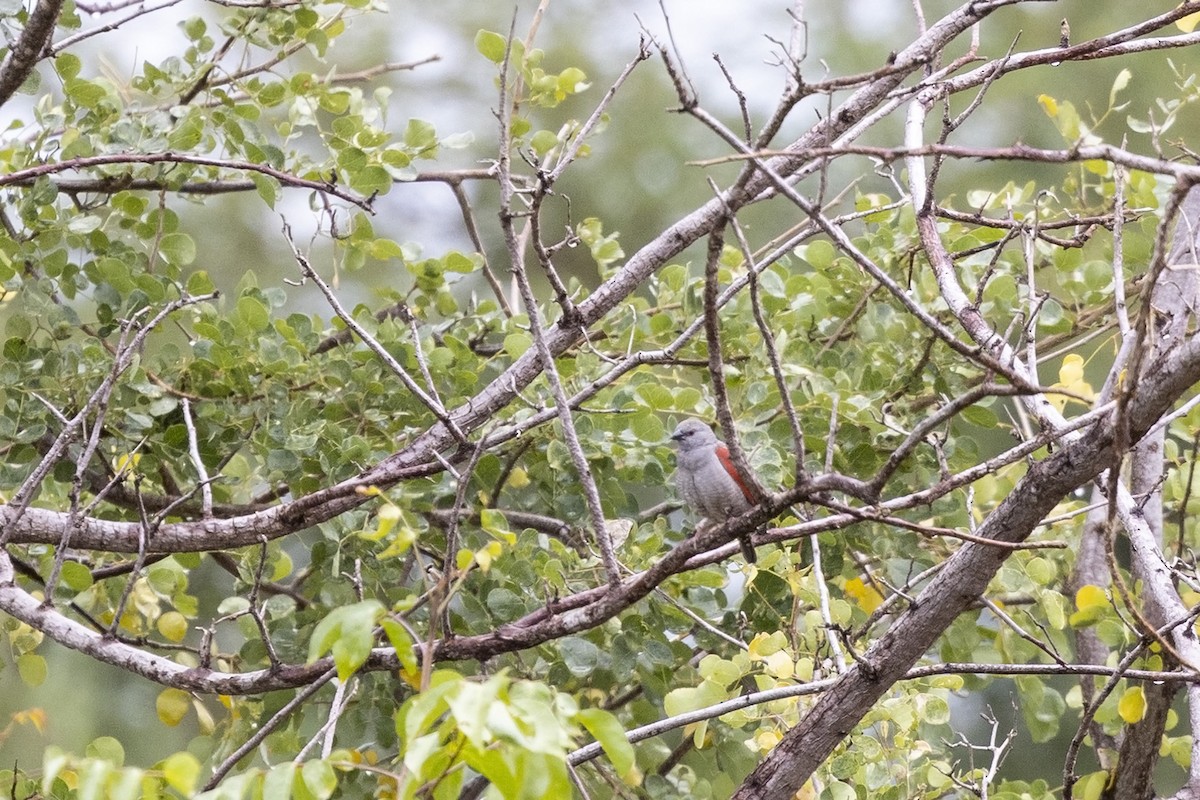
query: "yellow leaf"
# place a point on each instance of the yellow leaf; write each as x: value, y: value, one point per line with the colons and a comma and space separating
x: 207, y: 723
x: 698, y: 734
x: 1092, y: 785
x: 1092, y: 602
x: 463, y: 558
x: 867, y: 597
x: 1071, y: 369
x: 807, y: 792
x: 127, y: 463
x: 283, y: 567
x: 411, y: 676
x: 404, y: 538
x: 766, y: 741
x: 518, y: 478
x: 483, y: 558
x: 764, y: 644
x: 1070, y: 378
x: 1090, y: 596
x: 33, y: 716
x: 1132, y: 706
x: 181, y: 770
x: 389, y: 515
x: 779, y: 664
x: 1049, y: 104
x: 1188, y: 24
x: 172, y: 706
x: 173, y: 626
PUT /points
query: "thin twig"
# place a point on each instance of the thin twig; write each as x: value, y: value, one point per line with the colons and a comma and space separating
x: 267, y: 728
x: 430, y: 402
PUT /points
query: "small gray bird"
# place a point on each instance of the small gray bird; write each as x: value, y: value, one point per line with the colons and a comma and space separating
x: 708, y: 482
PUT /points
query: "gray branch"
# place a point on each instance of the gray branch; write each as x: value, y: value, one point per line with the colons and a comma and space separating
x: 30, y: 46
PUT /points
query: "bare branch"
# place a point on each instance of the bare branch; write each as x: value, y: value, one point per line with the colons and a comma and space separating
x: 541, y: 343
x: 591, y: 751
x: 30, y: 47
x: 25, y: 176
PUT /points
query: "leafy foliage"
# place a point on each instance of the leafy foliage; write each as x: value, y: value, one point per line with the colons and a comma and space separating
x: 355, y: 544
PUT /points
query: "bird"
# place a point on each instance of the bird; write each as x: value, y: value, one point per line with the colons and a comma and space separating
x: 707, y: 481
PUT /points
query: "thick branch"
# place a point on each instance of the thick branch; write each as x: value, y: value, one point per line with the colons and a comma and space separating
x: 964, y: 578
x: 30, y: 45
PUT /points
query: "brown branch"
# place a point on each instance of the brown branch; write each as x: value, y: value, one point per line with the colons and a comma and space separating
x: 964, y: 578
x: 594, y: 750
x: 23, y: 177
x: 1017, y: 152
x: 141, y: 11
x: 29, y: 48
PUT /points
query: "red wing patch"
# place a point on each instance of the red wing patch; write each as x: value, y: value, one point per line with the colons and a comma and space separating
x: 727, y: 463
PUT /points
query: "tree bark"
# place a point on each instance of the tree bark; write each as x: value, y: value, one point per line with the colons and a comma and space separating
x: 966, y: 576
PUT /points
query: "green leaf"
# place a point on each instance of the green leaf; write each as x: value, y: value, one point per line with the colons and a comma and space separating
x: 580, y: 656
x: 181, y: 771
x: 319, y: 778
x: 720, y: 671
x: 371, y: 180
x: 253, y: 312
x: 267, y: 188
x: 491, y: 45
x: 194, y: 27
x: 67, y: 65
x: 543, y: 142
x: 32, y: 669
x: 515, y: 344
x: 199, y: 283
x: 461, y: 262
x: 981, y: 416
x: 84, y: 224
x: 1043, y: 710
x: 279, y: 782
x: 605, y: 729
x: 820, y: 254
x: 1041, y: 571
x: 648, y: 427
x: 1091, y: 786
x: 177, y: 248
x: 348, y: 632
x: 401, y: 642
x: 681, y: 701
x: 188, y: 134
x: 77, y: 576
x: 273, y: 94
x: 84, y: 93
x: 572, y: 80
x: 420, y: 135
